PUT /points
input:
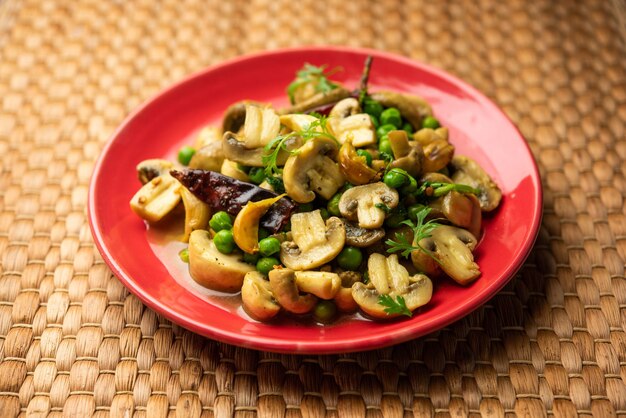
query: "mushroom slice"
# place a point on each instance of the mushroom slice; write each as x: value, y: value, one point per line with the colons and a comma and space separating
x: 463, y: 210
x: 207, y: 135
x: 197, y: 212
x: 361, y: 203
x: 246, y: 225
x: 361, y: 237
x: 312, y: 170
x: 235, y: 115
x: 451, y: 248
x: 152, y: 168
x: 209, y: 157
x: 286, y: 292
x: 318, y: 101
x: 322, y: 284
x: 297, y: 122
x: 413, y: 108
x: 211, y: 268
x: 407, y: 155
x: 389, y: 277
x: 257, y: 297
x: 353, y: 166
x: 156, y: 198
x: 467, y: 171
x: 348, y: 123
x: 438, y: 152
x: 236, y: 150
x: 231, y: 169
x: 313, y: 243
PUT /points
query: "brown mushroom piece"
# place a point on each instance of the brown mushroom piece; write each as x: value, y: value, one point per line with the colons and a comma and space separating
x: 257, y: 297
x: 449, y: 249
x: 312, y: 170
x: 462, y: 210
x: 407, y: 155
x: 313, y: 243
x: 235, y: 116
x: 209, y: 157
x: 413, y: 108
x: 438, y: 152
x: 156, y: 198
x: 152, y: 168
x: 350, y: 124
x: 361, y: 237
x: 323, y: 284
x: 317, y: 101
x: 197, y: 212
x: 286, y: 292
x: 211, y: 268
x: 353, y: 166
x: 389, y: 277
x: 235, y: 150
x: 468, y: 172
x: 363, y: 204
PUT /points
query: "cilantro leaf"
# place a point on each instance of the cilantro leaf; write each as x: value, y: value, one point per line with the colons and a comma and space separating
x: 394, y: 306
x: 421, y: 230
x: 312, y: 74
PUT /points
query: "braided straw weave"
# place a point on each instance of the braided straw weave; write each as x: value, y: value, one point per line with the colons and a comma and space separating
x: 74, y: 342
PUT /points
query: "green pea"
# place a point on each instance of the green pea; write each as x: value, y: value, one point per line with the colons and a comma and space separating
x: 414, y: 210
x: 324, y: 311
x: 269, y: 246
x: 373, y: 108
x: 375, y: 121
x: 333, y: 205
x: 185, y: 154
x: 430, y: 122
x: 251, y: 258
x: 184, y: 255
x: 266, y: 264
x: 385, y: 146
x: 324, y: 213
x: 350, y: 258
x: 221, y: 220
x: 224, y: 241
x: 383, y: 130
x: 408, y: 128
x: 391, y: 116
x: 410, y: 187
x: 256, y: 175
x: 367, y: 155
x: 396, y: 178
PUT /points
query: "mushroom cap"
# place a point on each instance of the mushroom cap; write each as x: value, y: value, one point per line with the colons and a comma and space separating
x: 235, y: 150
x: 257, y: 297
x: 235, y: 115
x: 353, y: 166
x: 359, y: 204
x: 468, y: 172
x: 313, y: 242
x: 209, y: 157
x: 286, y: 292
x: 312, y: 170
x: 408, y: 155
x: 438, y: 152
x: 452, y: 248
x: 246, y: 225
x: 152, y: 168
x: 323, y: 284
x: 211, y: 268
x: 463, y: 210
x: 361, y: 237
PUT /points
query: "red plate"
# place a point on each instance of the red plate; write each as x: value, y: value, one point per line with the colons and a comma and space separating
x: 477, y: 128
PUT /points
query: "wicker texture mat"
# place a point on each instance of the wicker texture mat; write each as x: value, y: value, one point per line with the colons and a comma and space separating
x: 74, y: 342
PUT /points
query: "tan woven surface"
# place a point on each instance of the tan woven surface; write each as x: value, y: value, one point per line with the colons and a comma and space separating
x: 74, y: 342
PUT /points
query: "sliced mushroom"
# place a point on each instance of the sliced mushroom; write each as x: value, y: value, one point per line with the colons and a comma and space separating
x: 314, y: 243
x: 156, y: 198
x: 438, y: 152
x: 463, y: 210
x: 297, y: 122
x: 152, y: 168
x: 209, y: 157
x: 407, y: 155
x: 449, y: 249
x: 353, y: 166
x: 389, y: 277
x: 348, y: 123
x: 361, y: 237
x: 286, y: 292
x: 467, y: 171
x: 413, y: 108
x: 235, y: 115
x: 317, y: 101
x: 312, y: 170
x: 322, y: 284
x: 246, y: 225
x: 257, y: 297
x: 197, y: 212
x: 207, y: 135
x: 362, y: 204
x: 211, y: 268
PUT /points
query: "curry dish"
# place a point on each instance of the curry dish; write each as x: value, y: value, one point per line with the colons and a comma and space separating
x: 344, y: 201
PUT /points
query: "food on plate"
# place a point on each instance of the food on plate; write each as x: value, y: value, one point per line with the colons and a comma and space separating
x: 343, y: 201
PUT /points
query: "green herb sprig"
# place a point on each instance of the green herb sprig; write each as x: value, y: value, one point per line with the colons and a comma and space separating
x: 394, y: 306
x: 421, y: 229
x: 440, y: 189
x: 312, y: 74
x: 271, y: 151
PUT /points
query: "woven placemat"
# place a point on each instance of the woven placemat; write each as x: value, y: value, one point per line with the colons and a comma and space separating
x: 74, y: 342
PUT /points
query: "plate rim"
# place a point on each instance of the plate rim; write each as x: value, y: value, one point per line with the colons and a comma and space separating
x: 260, y: 342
